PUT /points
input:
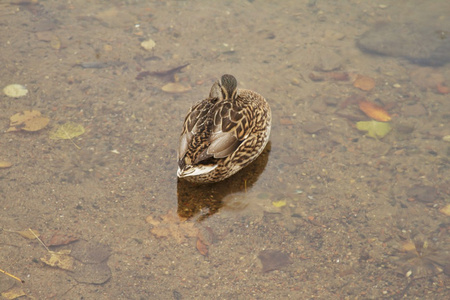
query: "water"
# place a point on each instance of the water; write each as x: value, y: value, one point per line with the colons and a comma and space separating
x: 347, y: 216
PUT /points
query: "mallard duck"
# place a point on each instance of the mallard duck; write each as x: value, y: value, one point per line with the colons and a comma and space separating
x: 223, y: 133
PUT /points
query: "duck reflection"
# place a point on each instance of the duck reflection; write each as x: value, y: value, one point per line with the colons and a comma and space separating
x: 204, y: 200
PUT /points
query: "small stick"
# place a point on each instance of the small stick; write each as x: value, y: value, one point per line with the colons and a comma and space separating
x: 39, y: 239
x: 12, y: 276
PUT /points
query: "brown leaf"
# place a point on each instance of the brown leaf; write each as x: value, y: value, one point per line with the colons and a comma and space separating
x: 202, y: 247
x: 364, y: 83
x: 173, y: 226
x: 443, y: 89
x: 273, y: 260
x: 374, y: 111
x: 59, y: 239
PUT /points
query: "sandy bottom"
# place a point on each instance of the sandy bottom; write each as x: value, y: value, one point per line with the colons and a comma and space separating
x: 325, y: 212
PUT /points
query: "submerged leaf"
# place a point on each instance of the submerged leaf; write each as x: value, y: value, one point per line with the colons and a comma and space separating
x: 175, y: 87
x: 29, y: 234
x: 374, y: 111
x: 5, y: 164
x: 364, y: 83
x: 28, y: 120
x: 375, y: 129
x: 67, y: 131
x: 15, y: 90
x: 13, y: 293
x: 60, y: 259
x: 273, y: 259
x: 280, y: 203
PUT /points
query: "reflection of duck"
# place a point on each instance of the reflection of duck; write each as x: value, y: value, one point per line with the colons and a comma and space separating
x: 223, y: 133
x: 206, y: 200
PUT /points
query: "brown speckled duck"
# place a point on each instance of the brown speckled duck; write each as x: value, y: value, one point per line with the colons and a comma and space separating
x: 223, y: 133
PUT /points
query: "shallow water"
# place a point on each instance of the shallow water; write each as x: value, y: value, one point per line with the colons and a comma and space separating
x: 325, y: 212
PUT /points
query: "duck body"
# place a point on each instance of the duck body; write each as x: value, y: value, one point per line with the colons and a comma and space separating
x: 223, y: 133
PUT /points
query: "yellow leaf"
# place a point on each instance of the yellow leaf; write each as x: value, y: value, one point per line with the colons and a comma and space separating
x: 60, y: 259
x: 67, y: 131
x: 29, y: 234
x: 175, y: 87
x: 375, y: 129
x: 14, y: 293
x: 445, y: 210
x: 5, y: 164
x: 280, y: 203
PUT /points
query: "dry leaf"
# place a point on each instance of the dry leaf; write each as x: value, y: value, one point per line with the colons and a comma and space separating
x: 443, y: 89
x: 14, y: 293
x: 59, y: 239
x: 174, y: 226
x: 408, y: 246
x: 445, y: 210
x: 374, y: 111
x: 5, y: 164
x: 60, y: 259
x: 202, y: 247
x: 15, y: 90
x: 273, y: 260
x: 67, y: 131
x: 175, y: 87
x: 55, y: 43
x: 29, y: 234
x: 28, y: 120
x: 364, y: 83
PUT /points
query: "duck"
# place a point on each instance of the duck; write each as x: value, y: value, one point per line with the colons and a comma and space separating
x: 223, y: 133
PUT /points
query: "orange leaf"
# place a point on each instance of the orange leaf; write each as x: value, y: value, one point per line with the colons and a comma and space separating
x: 374, y: 111
x: 443, y: 89
x: 364, y: 83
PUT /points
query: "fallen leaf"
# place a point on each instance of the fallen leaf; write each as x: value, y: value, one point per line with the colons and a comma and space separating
x: 91, y: 252
x: 375, y: 129
x: 58, y: 239
x: 28, y: 120
x: 55, y: 43
x: 60, y: 259
x: 67, y: 131
x: 174, y: 226
x: 364, y: 83
x: 148, y: 44
x: 408, y: 246
x: 374, y: 111
x: 14, y: 293
x: 98, y: 273
x: 280, y: 203
x: 273, y: 260
x: 15, y: 90
x: 445, y: 210
x: 29, y: 234
x: 202, y: 247
x: 443, y: 89
x: 175, y: 87
x: 5, y: 164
